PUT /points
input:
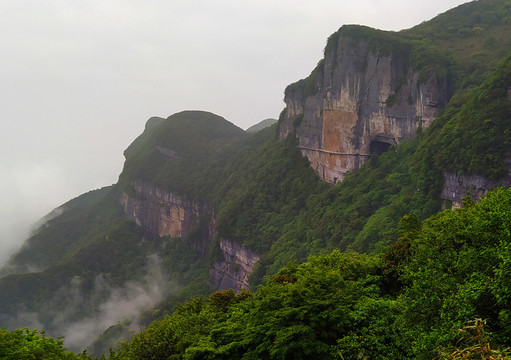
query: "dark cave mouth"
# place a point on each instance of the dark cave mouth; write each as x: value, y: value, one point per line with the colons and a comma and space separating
x: 377, y: 147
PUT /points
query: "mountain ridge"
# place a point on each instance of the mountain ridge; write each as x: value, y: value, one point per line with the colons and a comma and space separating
x: 222, y: 209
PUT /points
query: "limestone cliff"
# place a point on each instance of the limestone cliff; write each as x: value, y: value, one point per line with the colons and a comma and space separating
x: 458, y: 186
x: 361, y: 99
x: 159, y: 212
x: 233, y: 271
x: 165, y: 214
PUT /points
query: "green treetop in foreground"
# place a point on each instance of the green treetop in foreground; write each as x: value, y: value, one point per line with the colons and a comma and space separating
x: 31, y: 344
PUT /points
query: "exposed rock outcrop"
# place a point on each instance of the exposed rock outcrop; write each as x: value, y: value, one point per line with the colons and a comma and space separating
x: 457, y: 186
x: 234, y: 270
x: 356, y: 103
x: 160, y: 212
x: 165, y: 214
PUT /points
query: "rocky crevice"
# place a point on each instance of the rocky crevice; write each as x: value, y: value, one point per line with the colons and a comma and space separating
x: 234, y: 270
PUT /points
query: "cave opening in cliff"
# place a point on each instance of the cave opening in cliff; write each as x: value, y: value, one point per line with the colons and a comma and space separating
x: 378, y: 147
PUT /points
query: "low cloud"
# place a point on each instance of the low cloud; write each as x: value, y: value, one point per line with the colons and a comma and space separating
x: 123, y: 303
x: 28, y: 187
x: 120, y: 304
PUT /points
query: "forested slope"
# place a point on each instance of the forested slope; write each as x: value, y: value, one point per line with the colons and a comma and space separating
x: 362, y: 268
x: 436, y: 293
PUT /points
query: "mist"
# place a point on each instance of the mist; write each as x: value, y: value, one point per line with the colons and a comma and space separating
x: 123, y: 304
x: 63, y: 313
x: 31, y: 189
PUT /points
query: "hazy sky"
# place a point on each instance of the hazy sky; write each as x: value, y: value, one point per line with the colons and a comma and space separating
x: 79, y: 78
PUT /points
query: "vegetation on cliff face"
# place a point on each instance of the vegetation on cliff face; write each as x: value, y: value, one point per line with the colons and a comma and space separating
x: 475, y: 137
x: 255, y: 183
x: 176, y: 153
x: 416, y: 55
x: 471, y: 136
x: 422, y: 278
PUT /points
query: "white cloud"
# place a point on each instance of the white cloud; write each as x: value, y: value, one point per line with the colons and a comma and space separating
x: 106, y: 305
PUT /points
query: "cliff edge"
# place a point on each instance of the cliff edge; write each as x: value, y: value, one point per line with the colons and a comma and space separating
x: 372, y: 90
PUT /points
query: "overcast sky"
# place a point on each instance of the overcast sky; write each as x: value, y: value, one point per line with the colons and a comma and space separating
x: 79, y: 78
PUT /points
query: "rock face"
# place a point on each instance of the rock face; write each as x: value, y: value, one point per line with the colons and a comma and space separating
x: 233, y: 271
x: 456, y: 187
x: 165, y: 214
x: 159, y: 212
x: 357, y: 103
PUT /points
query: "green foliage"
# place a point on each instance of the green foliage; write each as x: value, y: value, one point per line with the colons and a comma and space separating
x: 65, y: 231
x: 170, y: 337
x: 416, y: 55
x: 381, y: 42
x: 451, y: 268
x: 309, y: 85
x: 461, y: 45
x: 257, y: 200
x: 256, y: 183
x: 476, y: 34
x: 221, y: 300
x: 97, y: 238
x: 175, y: 153
x: 93, y: 237
x: 362, y: 212
x: 471, y: 136
x: 261, y: 125
x: 457, y: 271
x: 330, y: 307
x: 475, y: 137
x: 108, y: 247
x: 33, y: 345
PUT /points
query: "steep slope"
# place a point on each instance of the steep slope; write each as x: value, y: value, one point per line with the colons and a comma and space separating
x: 339, y: 305
x: 261, y: 125
x: 369, y: 92
x: 65, y: 227
x: 91, y: 254
x: 103, y: 253
x: 473, y: 138
x: 239, y: 195
x: 465, y: 149
x: 476, y: 34
x: 175, y: 153
x: 201, y: 205
x: 374, y: 88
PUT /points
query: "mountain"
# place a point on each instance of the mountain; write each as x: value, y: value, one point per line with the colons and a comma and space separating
x: 374, y: 89
x: 388, y: 125
x: 261, y: 125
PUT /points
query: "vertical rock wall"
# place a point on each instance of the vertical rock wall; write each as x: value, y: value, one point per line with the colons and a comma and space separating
x: 165, y: 214
x: 234, y: 270
x: 457, y: 186
x: 159, y: 212
x: 356, y: 104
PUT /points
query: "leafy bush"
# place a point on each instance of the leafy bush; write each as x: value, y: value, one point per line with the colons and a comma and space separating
x: 31, y: 344
x: 458, y: 270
